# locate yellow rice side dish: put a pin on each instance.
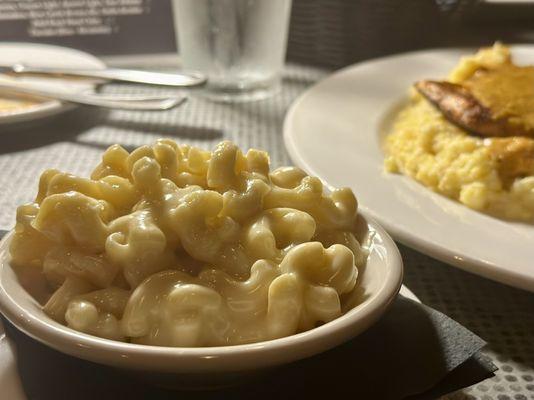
(8, 105)
(424, 145)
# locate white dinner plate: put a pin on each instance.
(335, 131)
(42, 55)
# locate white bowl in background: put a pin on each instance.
(379, 283)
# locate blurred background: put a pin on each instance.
(335, 33)
(327, 33)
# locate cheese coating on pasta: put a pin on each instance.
(172, 245)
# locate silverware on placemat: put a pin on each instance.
(124, 102)
(179, 79)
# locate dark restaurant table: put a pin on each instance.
(501, 315)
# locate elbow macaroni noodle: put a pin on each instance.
(176, 246)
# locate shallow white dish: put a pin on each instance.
(379, 281)
(334, 131)
(44, 55)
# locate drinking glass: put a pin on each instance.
(239, 44)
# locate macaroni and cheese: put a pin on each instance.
(176, 246)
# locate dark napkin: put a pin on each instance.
(413, 352)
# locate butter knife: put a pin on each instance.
(138, 103)
(179, 79)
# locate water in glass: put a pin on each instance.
(239, 44)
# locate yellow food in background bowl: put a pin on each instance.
(9, 105)
(485, 174)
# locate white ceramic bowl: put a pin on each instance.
(379, 283)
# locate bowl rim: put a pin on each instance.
(231, 358)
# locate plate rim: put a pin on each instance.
(425, 246)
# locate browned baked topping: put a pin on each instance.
(459, 106)
(514, 154)
(509, 93)
(514, 157)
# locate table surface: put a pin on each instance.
(501, 315)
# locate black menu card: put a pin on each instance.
(101, 27)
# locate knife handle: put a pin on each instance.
(179, 79)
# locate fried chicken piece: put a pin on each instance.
(459, 106)
(514, 157)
